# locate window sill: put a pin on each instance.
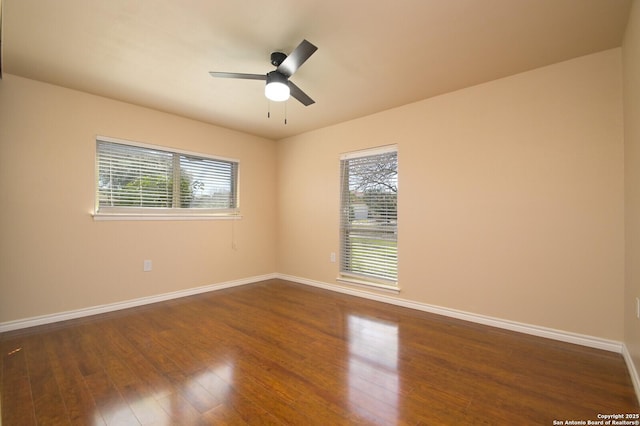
(371, 284)
(142, 217)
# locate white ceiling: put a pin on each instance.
(372, 54)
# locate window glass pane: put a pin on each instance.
(206, 183)
(370, 216)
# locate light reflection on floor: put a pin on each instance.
(373, 368)
(216, 381)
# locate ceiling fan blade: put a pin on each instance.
(297, 93)
(299, 55)
(238, 75)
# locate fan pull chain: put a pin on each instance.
(269, 111)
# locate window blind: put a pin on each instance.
(150, 180)
(369, 215)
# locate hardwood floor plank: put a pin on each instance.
(110, 404)
(223, 415)
(17, 402)
(79, 403)
(47, 399)
(130, 385)
(250, 412)
(278, 353)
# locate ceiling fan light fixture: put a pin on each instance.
(277, 87)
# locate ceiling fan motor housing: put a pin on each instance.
(277, 58)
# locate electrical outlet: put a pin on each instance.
(147, 266)
(638, 307)
(332, 257)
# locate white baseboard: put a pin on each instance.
(549, 333)
(111, 307)
(633, 372)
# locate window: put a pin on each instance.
(369, 217)
(143, 180)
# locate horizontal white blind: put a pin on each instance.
(369, 216)
(142, 178)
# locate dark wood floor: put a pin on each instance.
(282, 353)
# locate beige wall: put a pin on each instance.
(631, 72)
(511, 197)
(54, 257)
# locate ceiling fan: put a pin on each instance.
(278, 87)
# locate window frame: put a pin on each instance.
(345, 275)
(163, 213)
